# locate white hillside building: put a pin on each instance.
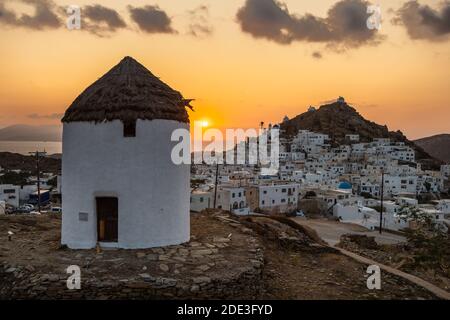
(120, 187)
(443, 206)
(273, 198)
(352, 137)
(10, 194)
(201, 200)
(233, 199)
(445, 170)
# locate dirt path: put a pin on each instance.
(298, 267)
(299, 275)
(442, 294)
(331, 231)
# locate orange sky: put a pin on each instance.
(237, 80)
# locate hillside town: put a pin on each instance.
(224, 159)
(344, 182)
(24, 197)
(163, 229)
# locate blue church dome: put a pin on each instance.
(345, 185)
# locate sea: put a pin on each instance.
(25, 147)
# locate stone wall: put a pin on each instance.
(20, 283)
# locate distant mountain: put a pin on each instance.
(23, 132)
(14, 161)
(338, 119)
(438, 146)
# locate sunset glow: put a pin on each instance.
(237, 80)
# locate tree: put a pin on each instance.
(310, 194)
(366, 195)
(196, 183)
(429, 240)
(53, 182)
(18, 179)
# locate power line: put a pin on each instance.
(215, 185)
(38, 154)
(382, 198)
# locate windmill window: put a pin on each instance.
(129, 129)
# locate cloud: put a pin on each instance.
(44, 16)
(424, 22)
(200, 25)
(317, 55)
(46, 116)
(151, 19)
(345, 24)
(327, 101)
(101, 20)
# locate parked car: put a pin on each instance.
(23, 209)
(9, 209)
(300, 213)
(56, 210)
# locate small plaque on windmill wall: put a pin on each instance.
(83, 216)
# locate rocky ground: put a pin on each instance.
(305, 270)
(399, 256)
(217, 255)
(227, 257)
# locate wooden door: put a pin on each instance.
(107, 219)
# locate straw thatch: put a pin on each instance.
(128, 92)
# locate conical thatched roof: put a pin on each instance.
(128, 92)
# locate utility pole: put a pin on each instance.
(38, 181)
(217, 181)
(382, 198)
(38, 174)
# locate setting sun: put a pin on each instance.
(186, 150)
